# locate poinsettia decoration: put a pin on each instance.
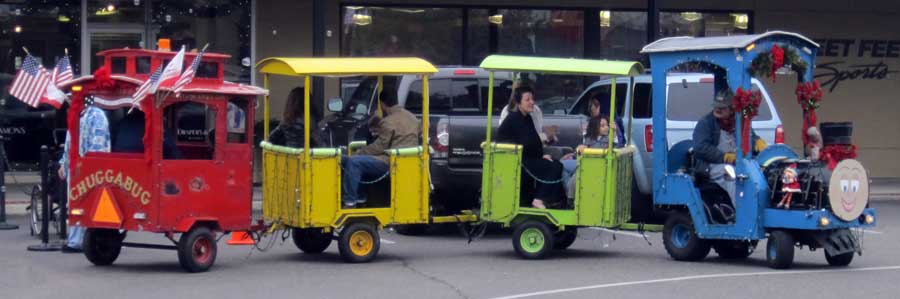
(809, 96)
(746, 102)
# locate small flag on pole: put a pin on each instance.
(149, 87)
(31, 82)
(188, 75)
(172, 70)
(63, 71)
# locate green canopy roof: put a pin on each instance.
(562, 65)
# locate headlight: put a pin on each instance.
(870, 219)
(823, 221)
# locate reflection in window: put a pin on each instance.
(434, 34)
(193, 130)
(622, 34)
(223, 24)
(118, 65)
(237, 120)
(126, 130)
(535, 32)
(115, 11)
(142, 64)
(687, 23)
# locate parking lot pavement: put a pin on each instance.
(600, 264)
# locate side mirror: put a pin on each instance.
(335, 104)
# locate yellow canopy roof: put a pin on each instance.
(301, 66)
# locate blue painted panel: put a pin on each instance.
(774, 152)
(809, 219)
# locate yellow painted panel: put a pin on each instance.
(281, 188)
(326, 190)
(409, 199)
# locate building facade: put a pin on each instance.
(858, 62)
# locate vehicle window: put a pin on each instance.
(643, 104)
(691, 101)
(191, 130)
(439, 96)
(603, 92)
(362, 95)
(237, 120)
(126, 130)
(142, 64)
(118, 65)
(208, 70)
(502, 90)
(465, 95)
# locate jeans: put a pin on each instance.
(76, 236)
(569, 167)
(358, 169)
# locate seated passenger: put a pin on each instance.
(130, 137)
(398, 129)
(519, 128)
(715, 142)
(290, 131)
(598, 137)
(597, 109)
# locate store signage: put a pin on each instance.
(832, 73)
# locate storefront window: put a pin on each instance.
(434, 34)
(115, 11)
(537, 32)
(688, 23)
(223, 24)
(46, 29)
(478, 40)
(621, 34)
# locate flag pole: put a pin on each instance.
(26, 51)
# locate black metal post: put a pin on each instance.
(3, 224)
(318, 43)
(45, 214)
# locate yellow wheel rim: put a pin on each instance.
(361, 243)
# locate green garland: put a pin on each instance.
(762, 64)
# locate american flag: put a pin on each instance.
(188, 75)
(63, 71)
(31, 82)
(148, 87)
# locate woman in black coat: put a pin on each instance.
(518, 128)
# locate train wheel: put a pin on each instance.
(311, 240)
(197, 249)
(563, 239)
(780, 249)
(102, 246)
(840, 260)
(532, 239)
(681, 241)
(734, 249)
(359, 242)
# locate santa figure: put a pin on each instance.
(789, 186)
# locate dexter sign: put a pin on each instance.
(109, 176)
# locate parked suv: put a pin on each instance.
(689, 98)
(458, 107)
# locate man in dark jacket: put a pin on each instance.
(715, 141)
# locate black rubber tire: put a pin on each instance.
(102, 246)
(692, 249)
(734, 249)
(345, 246)
(197, 249)
(311, 240)
(565, 238)
(780, 249)
(545, 233)
(840, 260)
(411, 229)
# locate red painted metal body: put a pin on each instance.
(209, 181)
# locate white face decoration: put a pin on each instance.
(848, 190)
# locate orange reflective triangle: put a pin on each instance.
(106, 211)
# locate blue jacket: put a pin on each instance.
(706, 142)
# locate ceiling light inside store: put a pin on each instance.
(741, 20)
(604, 18)
(496, 19)
(110, 7)
(137, 2)
(18, 29)
(361, 19)
(410, 10)
(691, 16)
(63, 18)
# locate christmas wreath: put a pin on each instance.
(746, 102)
(767, 63)
(809, 96)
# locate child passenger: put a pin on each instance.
(597, 137)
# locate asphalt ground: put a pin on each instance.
(601, 264)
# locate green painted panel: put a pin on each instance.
(500, 183)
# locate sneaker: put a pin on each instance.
(349, 205)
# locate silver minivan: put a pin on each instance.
(689, 98)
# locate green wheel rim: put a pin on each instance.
(532, 240)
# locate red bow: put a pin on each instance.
(809, 95)
(832, 154)
(746, 102)
(777, 59)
